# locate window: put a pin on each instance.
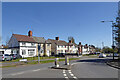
(58, 46)
(61, 51)
(65, 51)
(31, 52)
(17, 51)
(48, 44)
(32, 44)
(23, 52)
(58, 51)
(42, 51)
(23, 43)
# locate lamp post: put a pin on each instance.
(113, 36)
(39, 47)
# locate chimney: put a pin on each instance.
(30, 33)
(70, 41)
(57, 38)
(79, 43)
(86, 44)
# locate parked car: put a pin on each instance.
(5, 57)
(14, 56)
(61, 54)
(115, 54)
(102, 55)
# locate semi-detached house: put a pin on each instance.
(61, 46)
(29, 46)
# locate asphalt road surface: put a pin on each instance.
(83, 68)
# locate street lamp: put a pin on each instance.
(113, 40)
(39, 49)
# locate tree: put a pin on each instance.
(71, 38)
(97, 49)
(7, 40)
(117, 37)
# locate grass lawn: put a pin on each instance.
(36, 62)
(31, 58)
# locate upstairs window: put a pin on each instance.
(32, 44)
(48, 44)
(23, 43)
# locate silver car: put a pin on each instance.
(5, 57)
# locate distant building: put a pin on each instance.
(58, 46)
(61, 46)
(85, 49)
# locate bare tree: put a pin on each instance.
(71, 38)
(7, 40)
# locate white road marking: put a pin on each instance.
(17, 73)
(36, 70)
(66, 77)
(69, 71)
(75, 77)
(72, 74)
(64, 74)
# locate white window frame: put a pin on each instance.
(23, 43)
(23, 52)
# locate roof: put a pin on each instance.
(71, 44)
(58, 42)
(23, 38)
(40, 39)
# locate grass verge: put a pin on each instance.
(35, 62)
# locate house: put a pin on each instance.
(28, 45)
(85, 49)
(72, 47)
(91, 48)
(43, 46)
(61, 46)
(5, 51)
(58, 46)
(80, 48)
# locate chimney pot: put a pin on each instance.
(57, 38)
(30, 33)
(79, 43)
(70, 41)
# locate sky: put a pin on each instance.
(81, 20)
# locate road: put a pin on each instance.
(83, 68)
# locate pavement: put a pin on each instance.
(114, 63)
(80, 69)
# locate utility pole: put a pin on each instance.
(39, 47)
(113, 35)
(102, 46)
(113, 39)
